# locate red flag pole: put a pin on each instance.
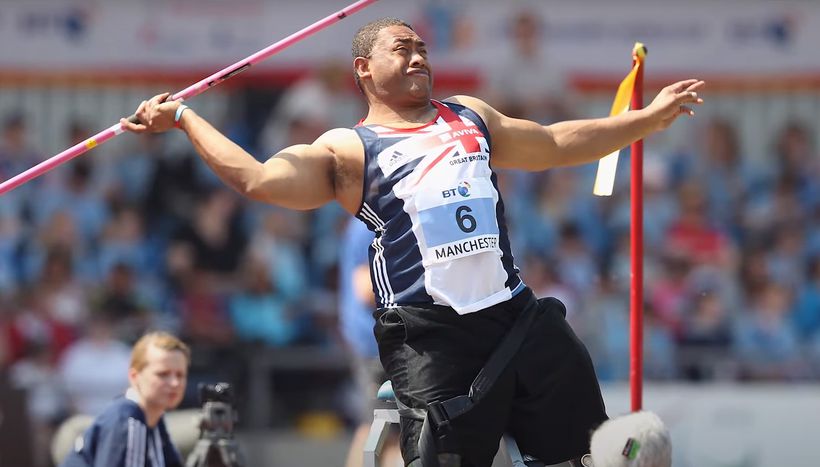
(636, 243)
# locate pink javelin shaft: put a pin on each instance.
(190, 91)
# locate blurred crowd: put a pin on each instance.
(102, 249)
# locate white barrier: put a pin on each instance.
(733, 425)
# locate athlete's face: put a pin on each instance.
(161, 383)
(398, 65)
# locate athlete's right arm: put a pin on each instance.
(298, 177)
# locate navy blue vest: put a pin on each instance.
(432, 199)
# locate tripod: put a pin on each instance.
(215, 453)
(216, 446)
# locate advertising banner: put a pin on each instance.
(729, 37)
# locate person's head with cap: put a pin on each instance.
(638, 439)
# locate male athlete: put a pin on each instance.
(419, 173)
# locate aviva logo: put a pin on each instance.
(458, 134)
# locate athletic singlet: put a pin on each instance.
(432, 200)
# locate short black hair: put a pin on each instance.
(365, 38)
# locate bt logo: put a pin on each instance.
(462, 189)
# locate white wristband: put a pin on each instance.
(178, 115)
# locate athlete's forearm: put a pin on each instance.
(583, 141)
(229, 161)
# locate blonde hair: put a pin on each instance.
(161, 340)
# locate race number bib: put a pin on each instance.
(458, 221)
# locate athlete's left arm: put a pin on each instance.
(526, 145)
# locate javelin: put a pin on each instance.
(191, 91)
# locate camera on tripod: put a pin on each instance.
(218, 392)
(218, 416)
(216, 446)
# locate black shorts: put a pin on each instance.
(548, 397)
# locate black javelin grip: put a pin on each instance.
(135, 120)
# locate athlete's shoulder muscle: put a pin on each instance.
(348, 154)
(340, 141)
(487, 113)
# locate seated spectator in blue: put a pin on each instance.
(131, 432)
(807, 307)
(706, 335)
(78, 197)
(259, 313)
(765, 341)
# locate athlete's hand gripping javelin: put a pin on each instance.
(157, 115)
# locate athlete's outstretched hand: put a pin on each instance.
(674, 100)
(155, 115)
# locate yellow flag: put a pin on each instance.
(605, 178)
